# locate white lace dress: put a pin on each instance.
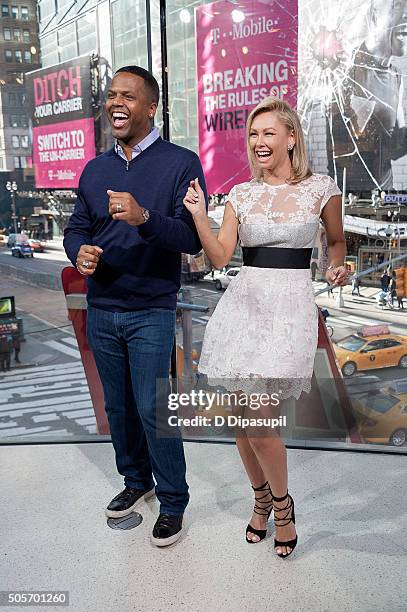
(263, 333)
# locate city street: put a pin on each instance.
(47, 394)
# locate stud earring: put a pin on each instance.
(290, 147)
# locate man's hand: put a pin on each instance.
(123, 207)
(88, 259)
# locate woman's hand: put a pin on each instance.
(195, 199)
(338, 276)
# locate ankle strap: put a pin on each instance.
(281, 498)
(262, 488)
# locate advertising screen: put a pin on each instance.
(243, 56)
(63, 125)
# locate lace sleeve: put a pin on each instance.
(332, 189)
(232, 198)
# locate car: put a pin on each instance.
(224, 279)
(14, 238)
(22, 249)
(37, 246)
(214, 275)
(371, 347)
(381, 416)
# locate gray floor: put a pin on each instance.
(351, 521)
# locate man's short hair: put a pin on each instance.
(149, 81)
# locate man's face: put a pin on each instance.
(129, 107)
(399, 28)
(391, 21)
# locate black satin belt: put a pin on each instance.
(276, 257)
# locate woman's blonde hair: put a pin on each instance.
(300, 168)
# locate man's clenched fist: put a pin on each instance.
(123, 207)
(88, 259)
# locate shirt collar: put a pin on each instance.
(140, 146)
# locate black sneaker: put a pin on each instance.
(125, 502)
(167, 530)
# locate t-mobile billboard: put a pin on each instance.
(63, 126)
(245, 52)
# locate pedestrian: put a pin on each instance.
(257, 337)
(392, 289)
(314, 268)
(6, 348)
(384, 281)
(330, 291)
(126, 234)
(355, 285)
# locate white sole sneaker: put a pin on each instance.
(167, 541)
(121, 513)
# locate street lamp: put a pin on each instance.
(12, 188)
(389, 234)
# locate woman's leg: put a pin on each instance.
(271, 454)
(255, 474)
(257, 479)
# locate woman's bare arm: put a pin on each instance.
(332, 219)
(220, 248)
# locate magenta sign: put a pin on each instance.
(63, 125)
(61, 151)
(245, 53)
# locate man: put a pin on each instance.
(126, 235)
(367, 128)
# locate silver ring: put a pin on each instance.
(86, 263)
(119, 207)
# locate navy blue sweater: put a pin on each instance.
(140, 266)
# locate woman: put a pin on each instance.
(265, 327)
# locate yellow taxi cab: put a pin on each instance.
(382, 416)
(369, 348)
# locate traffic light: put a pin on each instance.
(401, 281)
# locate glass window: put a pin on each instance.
(47, 8)
(129, 33)
(24, 13)
(4, 10)
(374, 346)
(391, 343)
(19, 56)
(12, 98)
(351, 343)
(15, 142)
(67, 46)
(49, 50)
(24, 121)
(23, 162)
(26, 36)
(7, 33)
(27, 57)
(24, 142)
(381, 403)
(86, 33)
(14, 12)
(14, 121)
(16, 162)
(8, 55)
(16, 34)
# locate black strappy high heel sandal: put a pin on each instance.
(263, 510)
(277, 521)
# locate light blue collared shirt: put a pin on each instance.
(141, 146)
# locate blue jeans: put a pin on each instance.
(132, 351)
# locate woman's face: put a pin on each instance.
(269, 140)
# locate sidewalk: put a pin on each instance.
(47, 305)
(365, 304)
